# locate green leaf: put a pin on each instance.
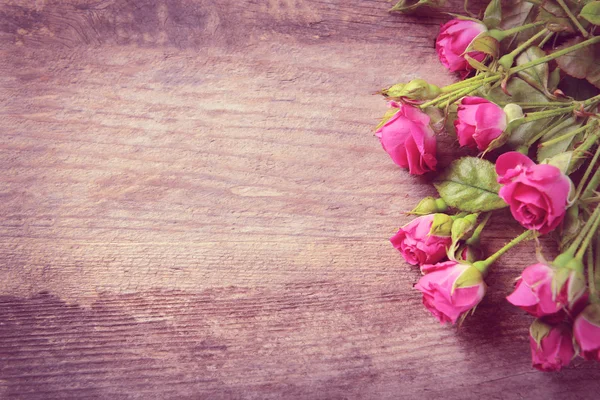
(527, 131)
(581, 63)
(493, 14)
(591, 12)
(569, 125)
(554, 79)
(417, 6)
(486, 44)
(557, 19)
(515, 13)
(521, 92)
(470, 184)
(536, 76)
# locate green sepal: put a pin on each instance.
(463, 226)
(469, 278)
(486, 44)
(387, 116)
(441, 225)
(417, 89)
(539, 330)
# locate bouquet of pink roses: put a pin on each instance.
(528, 100)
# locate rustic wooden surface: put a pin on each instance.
(193, 206)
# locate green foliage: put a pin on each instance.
(591, 12)
(470, 184)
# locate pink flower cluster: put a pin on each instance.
(538, 195)
(570, 323)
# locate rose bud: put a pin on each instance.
(586, 330)
(429, 205)
(551, 346)
(409, 140)
(424, 239)
(450, 289)
(544, 291)
(452, 42)
(479, 122)
(537, 194)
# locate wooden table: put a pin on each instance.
(193, 205)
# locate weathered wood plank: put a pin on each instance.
(193, 206)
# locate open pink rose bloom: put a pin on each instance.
(454, 38)
(536, 193)
(409, 140)
(418, 245)
(533, 292)
(443, 296)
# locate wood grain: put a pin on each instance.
(193, 206)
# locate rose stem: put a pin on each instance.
(590, 235)
(507, 60)
(545, 40)
(563, 137)
(590, 270)
(501, 35)
(592, 185)
(577, 241)
(483, 266)
(540, 134)
(554, 55)
(587, 173)
(474, 239)
(594, 275)
(573, 18)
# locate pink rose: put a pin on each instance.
(551, 346)
(479, 122)
(586, 330)
(418, 244)
(409, 140)
(454, 38)
(534, 291)
(450, 289)
(537, 194)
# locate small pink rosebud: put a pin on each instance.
(545, 291)
(454, 38)
(551, 346)
(479, 122)
(586, 330)
(450, 289)
(409, 140)
(537, 194)
(424, 239)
